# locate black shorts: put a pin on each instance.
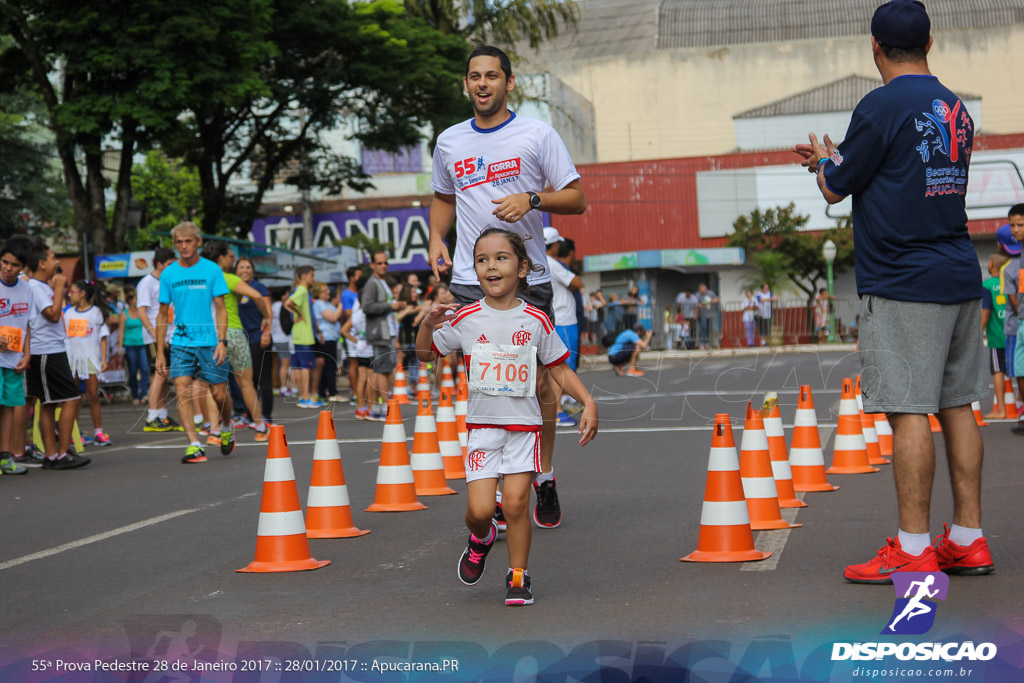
(540, 296)
(997, 361)
(49, 378)
(363, 362)
(623, 356)
(151, 355)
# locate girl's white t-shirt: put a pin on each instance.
(84, 330)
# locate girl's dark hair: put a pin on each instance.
(518, 243)
(94, 295)
(214, 250)
(438, 288)
(129, 292)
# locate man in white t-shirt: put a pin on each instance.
(491, 169)
(764, 299)
(147, 295)
(563, 283)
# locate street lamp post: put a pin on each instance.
(828, 250)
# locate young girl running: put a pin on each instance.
(86, 326)
(503, 339)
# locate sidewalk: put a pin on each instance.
(740, 351)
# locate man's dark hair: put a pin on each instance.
(1016, 210)
(353, 272)
(491, 51)
(373, 255)
(36, 253)
(17, 246)
(565, 247)
(162, 255)
(302, 270)
(902, 55)
(214, 250)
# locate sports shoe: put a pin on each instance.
(337, 399)
(499, 517)
(308, 403)
(572, 407)
(227, 441)
(8, 466)
(171, 425)
(102, 439)
(240, 421)
(518, 593)
(203, 429)
(30, 459)
(194, 454)
(263, 435)
(375, 417)
(633, 372)
(564, 420)
(362, 413)
(68, 462)
(88, 440)
(1018, 428)
(971, 560)
(891, 558)
(471, 564)
(547, 513)
(155, 425)
(211, 439)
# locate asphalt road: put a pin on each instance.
(136, 550)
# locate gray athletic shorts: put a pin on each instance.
(921, 358)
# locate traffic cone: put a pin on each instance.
(758, 480)
(281, 542)
(933, 422)
(780, 463)
(871, 444)
(1011, 401)
(460, 374)
(401, 391)
(396, 488)
(884, 430)
(806, 460)
(427, 465)
(448, 438)
(461, 410)
(422, 383)
(849, 452)
(328, 511)
(976, 407)
(446, 377)
(725, 534)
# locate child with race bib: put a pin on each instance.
(85, 321)
(503, 339)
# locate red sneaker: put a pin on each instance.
(971, 560)
(891, 559)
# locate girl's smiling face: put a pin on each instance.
(497, 267)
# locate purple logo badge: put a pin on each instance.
(914, 612)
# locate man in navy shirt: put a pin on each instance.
(905, 161)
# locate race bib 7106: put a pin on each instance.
(503, 370)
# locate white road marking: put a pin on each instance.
(113, 532)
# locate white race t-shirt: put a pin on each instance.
(85, 329)
(47, 337)
(562, 301)
(478, 165)
(147, 294)
(358, 330)
(16, 310)
(523, 325)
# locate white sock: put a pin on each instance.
(962, 535)
(199, 422)
(261, 426)
(98, 431)
(545, 476)
(196, 444)
(161, 413)
(914, 544)
(497, 496)
(490, 536)
(152, 415)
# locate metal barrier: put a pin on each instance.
(792, 322)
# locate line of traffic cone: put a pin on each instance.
(849, 451)
(884, 431)
(427, 464)
(461, 410)
(781, 471)
(725, 534)
(448, 437)
(422, 383)
(328, 510)
(1011, 401)
(871, 444)
(934, 424)
(979, 419)
(447, 382)
(396, 486)
(401, 390)
(281, 541)
(806, 459)
(758, 481)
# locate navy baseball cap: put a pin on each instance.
(1004, 236)
(901, 24)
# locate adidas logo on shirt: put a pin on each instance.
(482, 339)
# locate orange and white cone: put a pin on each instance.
(328, 510)
(461, 410)
(849, 452)
(281, 542)
(448, 438)
(874, 449)
(460, 374)
(884, 430)
(427, 465)
(978, 418)
(1011, 401)
(780, 463)
(447, 382)
(806, 460)
(934, 423)
(422, 383)
(758, 480)
(396, 486)
(401, 391)
(725, 534)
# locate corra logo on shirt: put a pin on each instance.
(471, 172)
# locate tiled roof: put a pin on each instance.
(841, 95)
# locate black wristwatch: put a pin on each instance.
(222, 341)
(534, 200)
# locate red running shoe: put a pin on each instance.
(971, 560)
(891, 559)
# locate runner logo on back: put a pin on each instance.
(472, 172)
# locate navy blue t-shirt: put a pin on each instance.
(905, 160)
(249, 312)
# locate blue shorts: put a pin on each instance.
(197, 361)
(1011, 354)
(303, 357)
(1018, 352)
(570, 336)
(12, 388)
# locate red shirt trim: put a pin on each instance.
(473, 308)
(540, 315)
(559, 361)
(507, 428)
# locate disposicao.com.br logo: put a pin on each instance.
(914, 614)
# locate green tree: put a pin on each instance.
(779, 231)
(167, 194)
